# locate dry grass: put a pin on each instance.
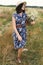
(34, 40)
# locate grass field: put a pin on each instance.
(34, 39)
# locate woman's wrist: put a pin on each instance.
(18, 35)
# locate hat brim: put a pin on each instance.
(21, 3)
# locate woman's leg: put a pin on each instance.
(19, 54)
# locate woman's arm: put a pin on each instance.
(15, 29)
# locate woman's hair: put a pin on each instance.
(19, 9)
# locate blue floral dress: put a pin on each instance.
(22, 31)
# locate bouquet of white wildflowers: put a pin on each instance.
(32, 17)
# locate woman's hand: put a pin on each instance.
(33, 22)
(19, 38)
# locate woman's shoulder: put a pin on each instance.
(24, 14)
(14, 15)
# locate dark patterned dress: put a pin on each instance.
(22, 30)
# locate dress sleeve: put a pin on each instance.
(14, 15)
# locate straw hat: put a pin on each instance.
(20, 2)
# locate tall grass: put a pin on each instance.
(34, 39)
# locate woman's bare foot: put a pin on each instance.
(19, 60)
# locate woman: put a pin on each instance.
(19, 26)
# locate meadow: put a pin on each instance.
(34, 56)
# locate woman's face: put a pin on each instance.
(23, 7)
